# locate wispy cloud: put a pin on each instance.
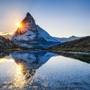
(5, 33)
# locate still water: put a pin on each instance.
(43, 70)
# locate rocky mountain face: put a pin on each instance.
(6, 43)
(31, 35)
(82, 44)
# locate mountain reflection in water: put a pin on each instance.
(39, 70)
(27, 63)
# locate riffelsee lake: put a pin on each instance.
(43, 70)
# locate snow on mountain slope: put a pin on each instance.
(32, 36)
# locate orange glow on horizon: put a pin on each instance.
(5, 33)
(6, 60)
(11, 33)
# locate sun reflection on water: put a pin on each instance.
(19, 68)
(6, 60)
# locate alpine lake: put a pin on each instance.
(44, 70)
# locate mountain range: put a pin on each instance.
(62, 40)
(30, 35)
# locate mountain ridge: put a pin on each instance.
(31, 35)
(64, 39)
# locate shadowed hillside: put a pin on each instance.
(6, 43)
(82, 44)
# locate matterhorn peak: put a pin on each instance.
(28, 19)
(28, 14)
(31, 35)
(27, 23)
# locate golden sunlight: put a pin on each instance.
(11, 20)
(11, 33)
(19, 68)
(19, 25)
(6, 60)
(5, 33)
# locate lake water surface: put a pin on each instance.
(43, 70)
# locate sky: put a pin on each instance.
(60, 18)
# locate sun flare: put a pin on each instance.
(19, 25)
(19, 68)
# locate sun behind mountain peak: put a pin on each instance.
(19, 25)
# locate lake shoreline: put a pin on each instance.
(73, 52)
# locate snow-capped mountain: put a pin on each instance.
(6, 43)
(31, 35)
(62, 40)
(30, 60)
